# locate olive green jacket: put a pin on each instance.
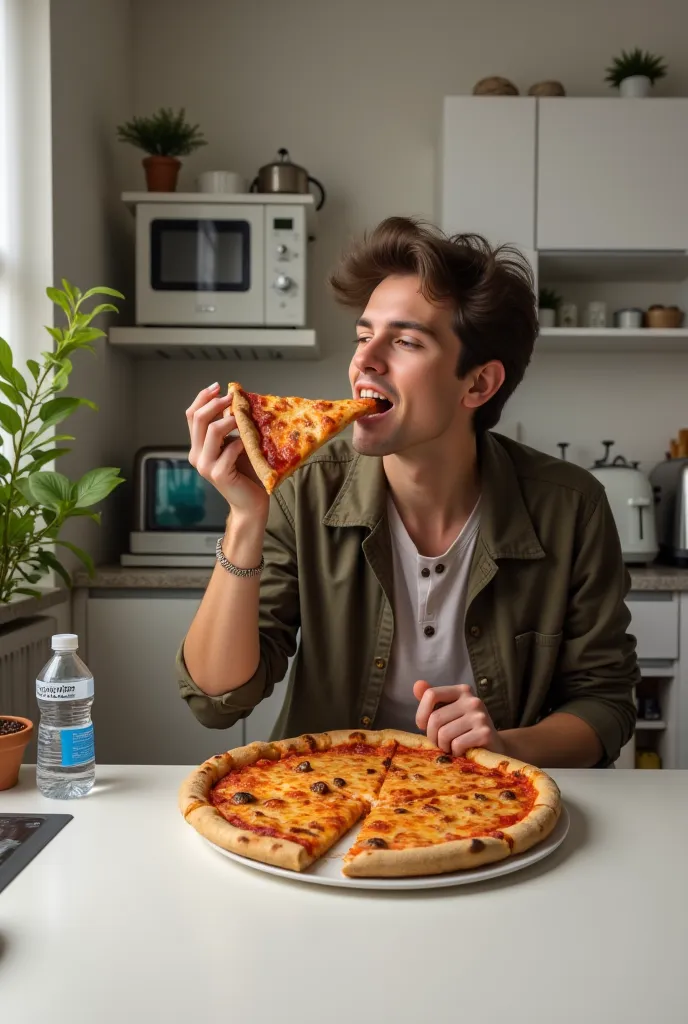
(546, 616)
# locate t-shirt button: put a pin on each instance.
(483, 685)
(425, 573)
(366, 721)
(429, 630)
(379, 663)
(475, 631)
(439, 568)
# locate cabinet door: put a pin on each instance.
(138, 715)
(488, 167)
(612, 174)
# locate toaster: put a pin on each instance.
(632, 503)
(669, 480)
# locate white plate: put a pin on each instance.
(328, 870)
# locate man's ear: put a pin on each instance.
(485, 382)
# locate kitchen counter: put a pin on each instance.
(654, 577)
(128, 916)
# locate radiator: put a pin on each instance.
(24, 650)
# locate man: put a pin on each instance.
(444, 578)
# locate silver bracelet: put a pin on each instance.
(235, 571)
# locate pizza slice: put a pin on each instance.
(355, 764)
(280, 434)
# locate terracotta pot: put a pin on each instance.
(664, 316)
(161, 173)
(12, 749)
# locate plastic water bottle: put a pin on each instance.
(64, 689)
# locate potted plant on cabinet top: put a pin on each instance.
(548, 304)
(634, 73)
(164, 136)
(35, 503)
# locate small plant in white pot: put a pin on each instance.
(548, 304)
(634, 73)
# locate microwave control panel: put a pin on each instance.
(285, 266)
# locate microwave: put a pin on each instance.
(178, 515)
(221, 264)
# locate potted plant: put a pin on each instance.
(164, 136)
(548, 304)
(35, 503)
(634, 73)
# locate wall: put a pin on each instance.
(354, 89)
(91, 52)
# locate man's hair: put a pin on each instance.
(491, 290)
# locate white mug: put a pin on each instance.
(221, 181)
(597, 314)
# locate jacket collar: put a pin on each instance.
(506, 528)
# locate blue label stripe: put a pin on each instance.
(77, 746)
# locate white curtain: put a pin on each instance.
(26, 248)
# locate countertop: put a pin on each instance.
(654, 577)
(128, 916)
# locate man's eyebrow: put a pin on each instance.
(403, 325)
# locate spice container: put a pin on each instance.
(629, 318)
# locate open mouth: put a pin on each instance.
(382, 404)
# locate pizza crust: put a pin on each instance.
(269, 849)
(249, 434)
(458, 855)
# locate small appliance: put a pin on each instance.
(632, 502)
(178, 514)
(284, 176)
(222, 261)
(670, 482)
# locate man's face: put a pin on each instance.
(407, 352)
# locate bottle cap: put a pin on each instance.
(65, 642)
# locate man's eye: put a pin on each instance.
(361, 338)
(408, 343)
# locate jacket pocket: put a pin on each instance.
(536, 659)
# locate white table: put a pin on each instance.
(127, 917)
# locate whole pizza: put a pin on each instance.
(419, 811)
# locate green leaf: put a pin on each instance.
(86, 334)
(57, 333)
(105, 307)
(83, 556)
(18, 527)
(95, 516)
(34, 368)
(9, 419)
(5, 357)
(19, 382)
(61, 378)
(101, 290)
(23, 485)
(51, 489)
(60, 299)
(27, 591)
(96, 485)
(69, 290)
(9, 391)
(48, 558)
(61, 437)
(60, 408)
(44, 457)
(5, 468)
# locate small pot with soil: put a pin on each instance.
(15, 734)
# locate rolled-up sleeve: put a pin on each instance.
(278, 625)
(597, 667)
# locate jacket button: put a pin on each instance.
(429, 630)
(366, 721)
(475, 631)
(379, 663)
(425, 573)
(439, 568)
(483, 685)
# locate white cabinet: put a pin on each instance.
(488, 167)
(139, 717)
(611, 174)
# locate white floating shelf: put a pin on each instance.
(612, 265)
(612, 339)
(221, 343)
(650, 726)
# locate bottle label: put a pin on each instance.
(70, 689)
(77, 746)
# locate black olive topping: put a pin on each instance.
(443, 759)
(320, 787)
(243, 798)
(305, 766)
(508, 794)
(378, 843)
(387, 762)
(431, 807)
(339, 782)
(371, 771)
(479, 796)
(400, 810)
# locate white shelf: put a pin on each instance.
(650, 726)
(600, 265)
(612, 339)
(221, 343)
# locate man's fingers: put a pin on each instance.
(200, 400)
(480, 737)
(435, 695)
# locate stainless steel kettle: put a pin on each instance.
(284, 176)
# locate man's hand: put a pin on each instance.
(461, 721)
